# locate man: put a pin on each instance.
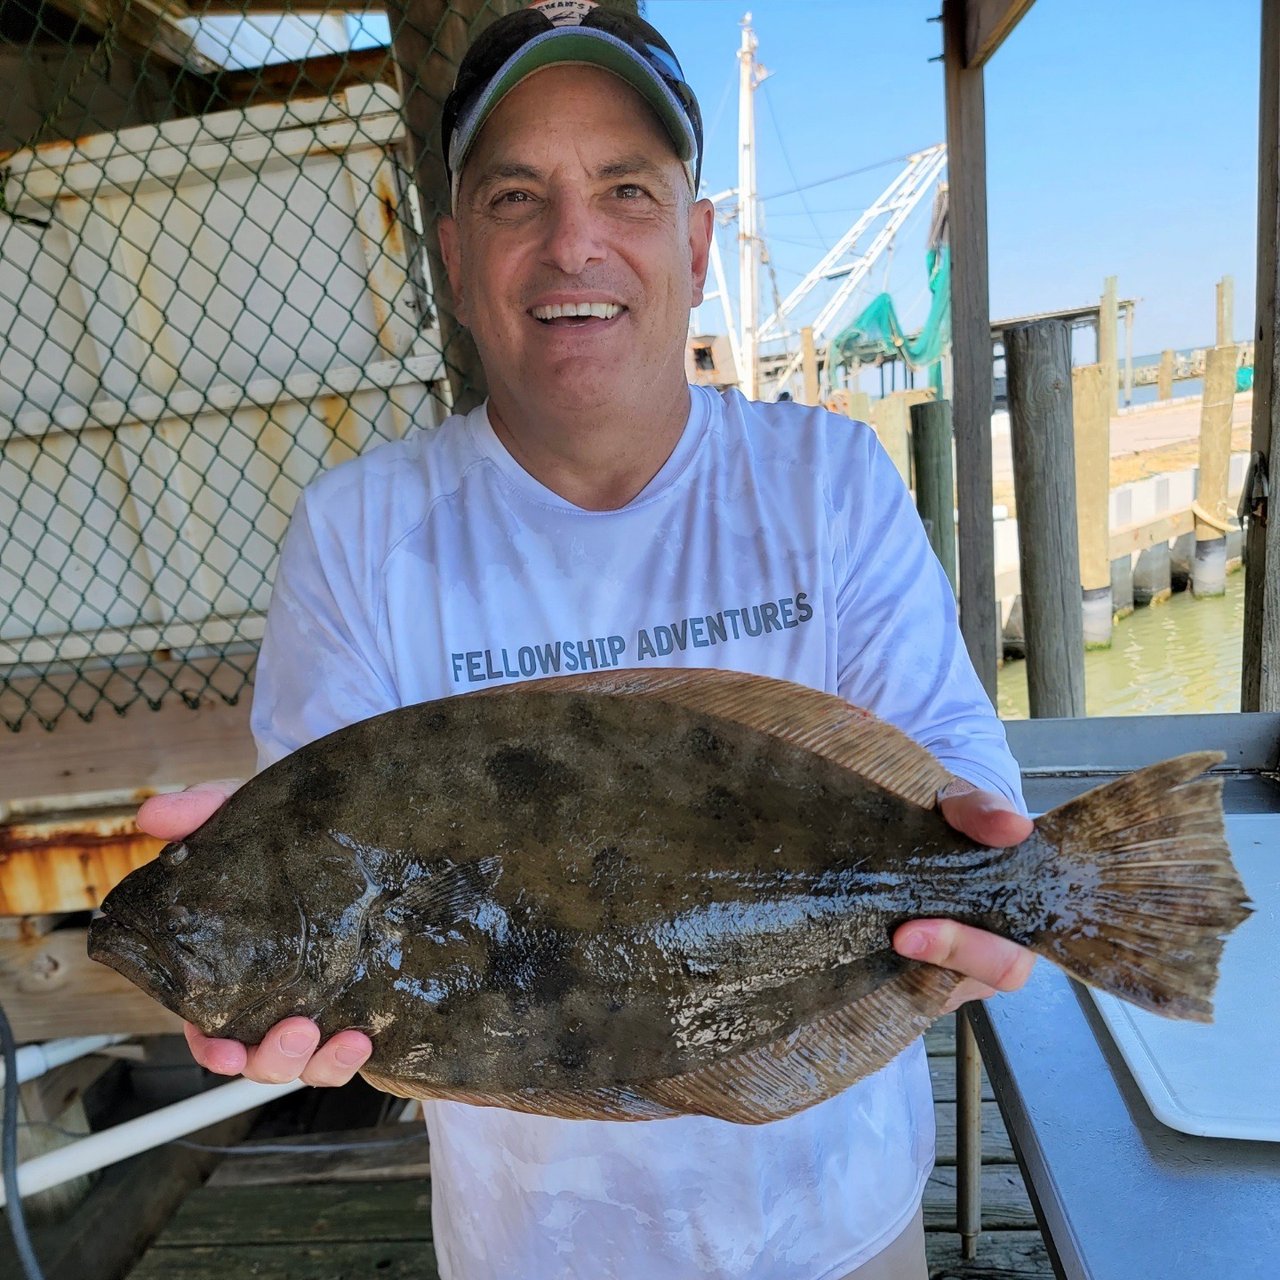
(597, 511)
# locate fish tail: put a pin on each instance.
(1148, 887)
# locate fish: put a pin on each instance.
(636, 894)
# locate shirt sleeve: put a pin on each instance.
(901, 652)
(320, 667)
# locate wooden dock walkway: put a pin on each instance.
(366, 1214)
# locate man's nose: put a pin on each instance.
(573, 235)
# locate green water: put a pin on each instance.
(1167, 659)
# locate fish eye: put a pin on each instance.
(174, 855)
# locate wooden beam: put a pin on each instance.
(322, 76)
(149, 26)
(137, 753)
(970, 344)
(429, 38)
(1260, 679)
(987, 24)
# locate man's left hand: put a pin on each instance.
(989, 963)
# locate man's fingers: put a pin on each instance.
(222, 1057)
(179, 813)
(284, 1052)
(986, 817)
(289, 1051)
(988, 959)
(338, 1059)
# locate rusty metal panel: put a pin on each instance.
(68, 862)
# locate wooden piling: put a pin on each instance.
(1108, 347)
(428, 40)
(1226, 292)
(1038, 368)
(809, 363)
(1260, 666)
(935, 479)
(1164, 380)
(1092, 435)
(1209, 570)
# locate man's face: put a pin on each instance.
(573, 200)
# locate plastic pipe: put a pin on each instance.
(123, 1140)
(35, 1059)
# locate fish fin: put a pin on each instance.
(618, 1103)
(1146, 923)
(816, 1061)
(818, 722)
(443, 891)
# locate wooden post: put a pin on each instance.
(890, 415)
(970, 349)
(1164, 380)
(428, 39)
(1107, 345)
(859, 406)
(1209, 570)
(1128, 354)
(1260, 679)
(1226, 292)
(971, 414)
(935, 479)
(1038, 363)
(809, 356)
(1092, 430)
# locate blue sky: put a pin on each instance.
(1121, 135)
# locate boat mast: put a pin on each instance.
(748, 236)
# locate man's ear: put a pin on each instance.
(447, 228)
(702, 222)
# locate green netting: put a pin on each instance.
(877, 333)
(218, 276)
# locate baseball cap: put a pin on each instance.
(553, 32)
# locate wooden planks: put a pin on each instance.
(369, 1155)
(387, 1260)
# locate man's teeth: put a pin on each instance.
(574, 310)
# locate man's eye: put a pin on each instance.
(511, 197)
(630, 191)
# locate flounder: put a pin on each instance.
(640, 894)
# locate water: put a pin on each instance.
(1167, 659)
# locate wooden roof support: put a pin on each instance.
(987, 23)
(148, 26)
(970, 342)
(1260, 683)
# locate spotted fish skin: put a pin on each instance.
(553, 889)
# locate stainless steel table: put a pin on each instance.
(1119, 1195)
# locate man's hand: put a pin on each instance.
(291, 1049)
(989, 963)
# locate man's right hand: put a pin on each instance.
(291, 1049)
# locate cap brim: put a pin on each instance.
(576, 45)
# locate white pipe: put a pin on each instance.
(123, 1140)
(35, 1059)
(748, 248)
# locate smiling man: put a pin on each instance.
(599, 512)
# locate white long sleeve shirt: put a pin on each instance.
(776, 539)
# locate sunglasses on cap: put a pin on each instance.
(520, 43)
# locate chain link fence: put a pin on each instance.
(218, 276)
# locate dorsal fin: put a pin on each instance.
(818, 722)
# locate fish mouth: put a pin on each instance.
(135, 954)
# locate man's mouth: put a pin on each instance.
(575, 314)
